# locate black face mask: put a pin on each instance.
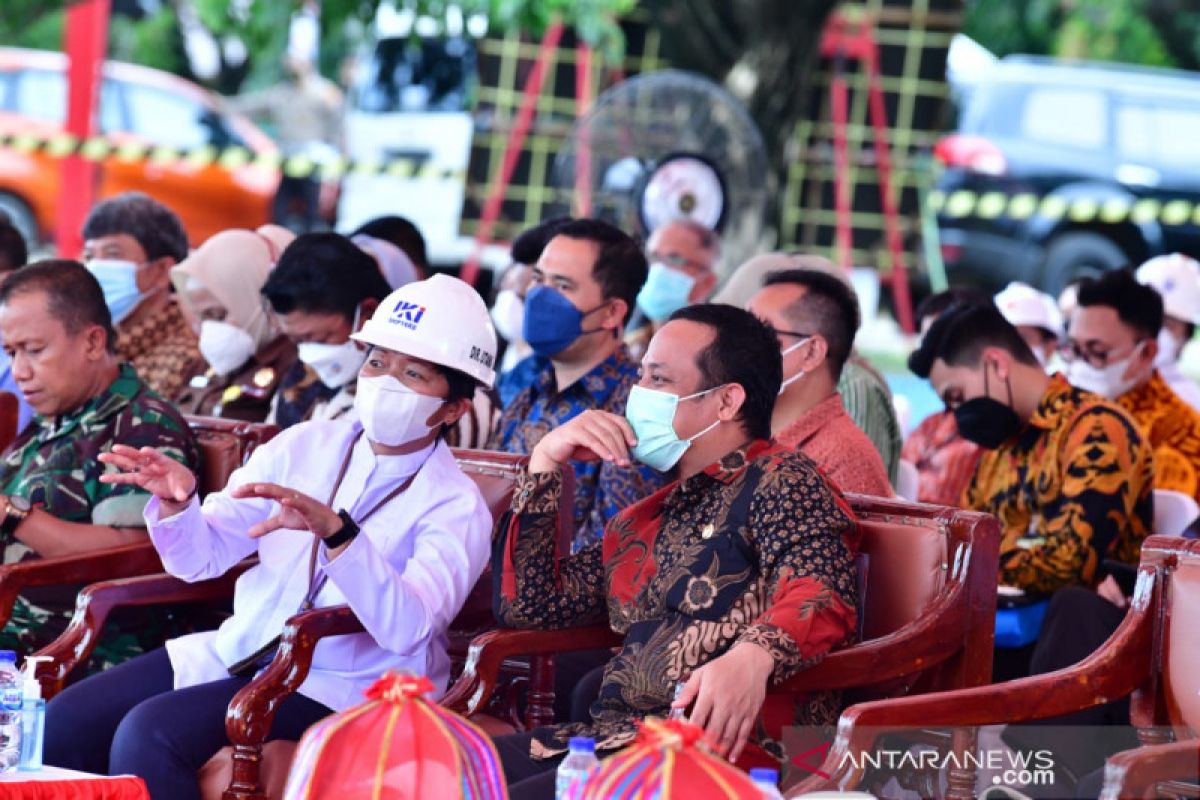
(985, 421)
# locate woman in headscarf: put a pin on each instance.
(245, 353)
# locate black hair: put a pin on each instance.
(323, 273)
(462, 385)
(744, 351)
(1139, 306)
(960, 335)
(400, 232)
(156, 227)
(828, 307)
(13, 250)
(528, 246)
(620, 266)
(73, 295)
(935, 304)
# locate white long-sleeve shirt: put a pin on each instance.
(405, 575)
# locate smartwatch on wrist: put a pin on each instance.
(343, 534)
(15, 512)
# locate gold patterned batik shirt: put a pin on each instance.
(1172, 427)
(759, 547)
(161, 347)
(1072, 489)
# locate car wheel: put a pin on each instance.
(21, 216)
(1077, 255)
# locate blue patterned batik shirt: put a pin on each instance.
(601, 490)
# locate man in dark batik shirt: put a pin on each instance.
(738, 574)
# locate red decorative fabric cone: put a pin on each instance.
(396, 746)
(667, 761)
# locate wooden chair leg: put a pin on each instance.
(246, 783)
(961, 779)
(540, 709)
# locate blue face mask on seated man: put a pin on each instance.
(118, 281)
(552, 322)
(666, 291)
(651, 414)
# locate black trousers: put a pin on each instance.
(128, 720)
(527, 779)
(1078, 622)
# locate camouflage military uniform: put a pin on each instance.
(53, 465)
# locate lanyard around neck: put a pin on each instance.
(315, 584)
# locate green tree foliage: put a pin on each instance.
(1163, 33)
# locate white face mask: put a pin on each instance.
(799, 373)
(335, 364)
(1105, 381)
(224, 346)
(1169, 349)
(508, 313)
(392, 414)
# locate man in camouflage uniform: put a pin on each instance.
(58, 330)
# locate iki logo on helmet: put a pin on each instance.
(407, 314)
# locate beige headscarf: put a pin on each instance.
(747, 279)
(233, 265)
(278, 236)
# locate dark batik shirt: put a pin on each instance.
(601, 489)
(760, 547)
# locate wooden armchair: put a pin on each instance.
(1153, 655)
(926, 622)
(10, 413)
(224, 446)
(252, 710)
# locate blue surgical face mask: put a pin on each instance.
(651, 413)
(118, 281)
(552, 322)
(665, 291)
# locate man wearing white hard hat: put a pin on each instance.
(373, 513)
(1036, 317)
(1177, 278)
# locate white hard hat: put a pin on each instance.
(1021, 304)
(1177, 278)
(440, 319)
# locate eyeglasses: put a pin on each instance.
(1098, 358)
(794, 334)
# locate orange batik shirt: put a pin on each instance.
(1073, 488)
(1173, 428)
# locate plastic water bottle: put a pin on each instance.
(576, 767)
(767, 781)
(11, 700)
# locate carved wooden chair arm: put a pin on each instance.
(96, 602)
(118, 562)
(1114, 670)
(1138, 773)
(253, 707)
(250, 713)
(488, 652)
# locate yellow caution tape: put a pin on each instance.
(99, 148)
(963, 203)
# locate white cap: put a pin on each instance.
(441, 320)
(1021, 304)
(1177, 278)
